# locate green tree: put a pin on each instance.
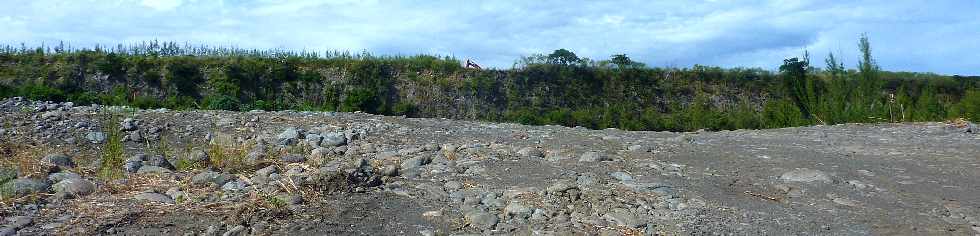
(799, 88)
(623, 61)
(563, 57)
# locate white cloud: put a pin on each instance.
(906, 36)
(162, 5)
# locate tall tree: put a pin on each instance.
(800, 89)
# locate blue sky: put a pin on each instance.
(925, 36)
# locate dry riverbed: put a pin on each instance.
(326, 173)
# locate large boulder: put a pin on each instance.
(333, 140)
(74, 187)
(128, 124)
(289, 137)
(24, 186)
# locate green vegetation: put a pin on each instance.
(555, 88)
(111, 157)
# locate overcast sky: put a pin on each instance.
(926, 36)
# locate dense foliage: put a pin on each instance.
(558, 88)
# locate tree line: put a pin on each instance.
(556, 88)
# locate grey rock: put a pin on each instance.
(158, 160)
(389, 170)
(255, 156)
(268, 170)
(586, 180)
(8, 231)
(19, 222)
(153, 170)
(237, 230)
(654, 187)
(58, 177)
(531, 152)
(313, 140)
(53, 115)
(211, 177)
(480, 219)
(413, 163)
(593, 157)
(135, 136)
(623, 217)
(290, 199)
(293, 158)
(199, 156)
(23, 186)
(59, 159)
(539, 214)
(288, 137)
(128, 124)
(517, 210)
(453, 185)
(333, 140)
(74, 187)
(622, 176)
(234, 186)
(805, 175)
(132, 166)
(494, 203)
(212, 230)
(559, 187)
(154, 197)
(177, 195)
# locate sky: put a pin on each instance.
(923, 36)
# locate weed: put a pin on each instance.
(111, 158)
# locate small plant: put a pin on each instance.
(274, 202)
(112, 151)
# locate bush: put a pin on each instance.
(360, 100)
(404, 108)
(969, 106)
(222, 102)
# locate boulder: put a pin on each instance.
(24, 186)
(74, 187)
(480, 219)
(154, 197)
(95, 137)
(288, 137)
(128, 124)
(333, 140)
(211, 177)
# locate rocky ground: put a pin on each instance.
(83, 170)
